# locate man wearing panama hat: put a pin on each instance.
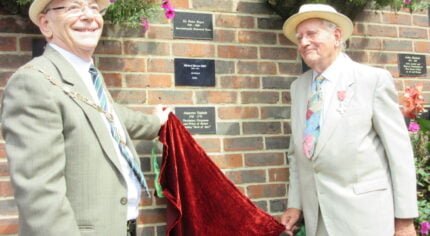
(351, 162)
(69, 146)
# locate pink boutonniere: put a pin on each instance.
(341, 94)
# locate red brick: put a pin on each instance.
(290, 68)
(245, 52)
(420, 20)
(259, 127)
(159, 32)
(148, 81)
(4, 169)
(397, 18)
(12, 61)
(122, 64)
(243, 144)
(246, 176)
(359, 56)
(286, 99)
(254, 7)
(278, 53)
(228, 161)
(4, 77)
(256, 68)
(413, 33)
(368, 43)
(8, 226)
(234, 21)
(264, 159)
(170, 97)
(6, 189)
(260, 97)
(266, 190)
(422, 47)
(109, 47)
(239, 82)
(128, 96)
(113, 80)
(152, 216)
(146, 48)
(225, 36)
(227, 113)
(216, 97)
(193, 50)
(397, 45)
(257, 37)
(160, 65)
(279, 174)
(382, 58)
(369, 16)
(7, 43)
(209, 144)
(214, 6)
(381, 30)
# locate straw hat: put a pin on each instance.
(322, 11)
(39, 5)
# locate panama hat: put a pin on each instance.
(321, 11)
(37, 6)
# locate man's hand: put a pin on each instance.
(290, 218)
(404, 227)
(162, 113)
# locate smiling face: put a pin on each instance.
(75, 26)
(319, 43)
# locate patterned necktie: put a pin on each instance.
(313, 115)
(125, 151)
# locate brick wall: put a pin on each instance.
(255, 66)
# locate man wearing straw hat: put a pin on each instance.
(69, 146)
(351, 162)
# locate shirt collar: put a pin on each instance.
(333, 71)
(78, 64)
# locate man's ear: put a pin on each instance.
(44, 26)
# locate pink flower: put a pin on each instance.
(413, 127)
(341, 94)
(407, 2)
(169, 12)
(413, 101)
(144, 23)
(112, 1)
(425, 228)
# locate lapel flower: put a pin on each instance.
(341, 95)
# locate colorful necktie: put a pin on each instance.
(313, 116)
(125, 151)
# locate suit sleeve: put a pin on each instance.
(293, 186)
(32, 129)
(390, 126)
(139, 125)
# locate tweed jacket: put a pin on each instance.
(64, 169)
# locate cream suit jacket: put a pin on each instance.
(362, 175)
(62, 162)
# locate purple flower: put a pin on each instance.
(407, 1)
(112, 1)
(425, 228)
(166, 4)
(413, 127)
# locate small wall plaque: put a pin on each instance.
(198, 120)
(38, 47)
(192, 26)
(412, 65)
(194, 72)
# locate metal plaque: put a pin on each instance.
(412, 65)
(194, 72)
(198, 120)
(192, 25)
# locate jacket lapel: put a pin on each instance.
(71, 79)
(337, 107)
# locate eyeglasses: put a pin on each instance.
(78, 9)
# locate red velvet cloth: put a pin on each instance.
(201, 200)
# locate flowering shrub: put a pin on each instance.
(419, 130)
(133, 13)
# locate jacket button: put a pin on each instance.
(123, 200)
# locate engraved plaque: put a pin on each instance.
(193, 26)
(198, 120)
(194, 72)
(412, 65)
